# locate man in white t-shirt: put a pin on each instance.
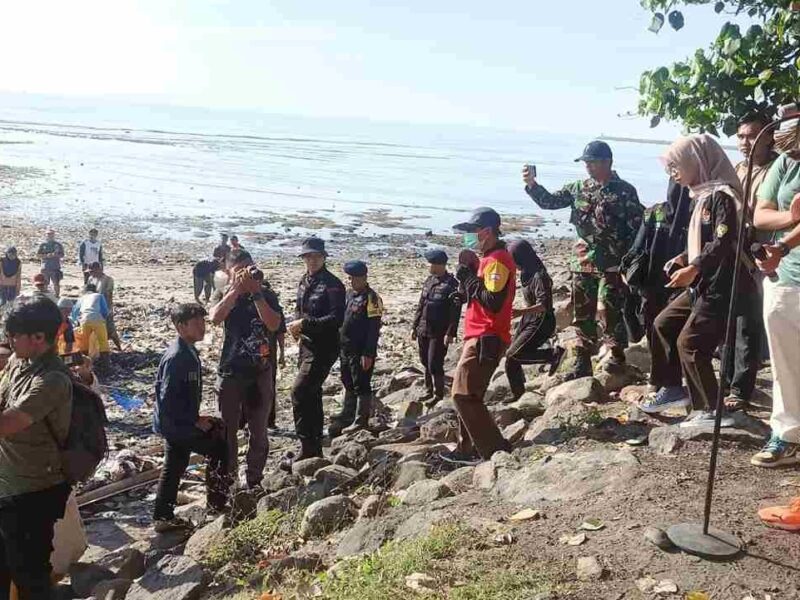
(90, 252)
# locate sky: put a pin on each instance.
(532, 65)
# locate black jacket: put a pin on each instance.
(320, 303)
(362, 323)
(179, 391)
(439, 308)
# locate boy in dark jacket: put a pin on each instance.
(179, 391)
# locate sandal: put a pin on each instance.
(734, 403)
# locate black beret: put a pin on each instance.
(436, 257)
(356, 268)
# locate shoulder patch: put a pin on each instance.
(495, 276)
(374, 306)
(722, 229)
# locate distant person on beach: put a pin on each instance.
(235, 245)
(538, 319)
(65, 339)
(105, 286)
(277, 356)
(90, 252)
(177, 418)
(39, 282)
(221, 252)
(607, 214)
(435, 324)
(358, 337)
(249, 311)
(10, 276)
(51, 254)
(90, 313)
(319, 313)
(203, 276)
(489, 284)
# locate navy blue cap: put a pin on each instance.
(355, 268)
(313, 245)
(481, 217)
(596, 150)
(436, 257)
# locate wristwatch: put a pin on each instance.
(784, 248)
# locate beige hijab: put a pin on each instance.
(705, 169)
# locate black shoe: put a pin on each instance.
(555, 362)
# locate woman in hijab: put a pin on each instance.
(661, 237)
(690, 328)
(10, 276)
(538, 321)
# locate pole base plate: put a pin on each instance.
(715, 544)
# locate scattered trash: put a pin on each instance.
(528, 514)
(592, 525)
(573, 540)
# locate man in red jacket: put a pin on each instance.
(489, 284)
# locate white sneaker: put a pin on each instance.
(705, 418)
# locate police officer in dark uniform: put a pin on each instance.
(359, 339)
(436, 323)
(319, 313)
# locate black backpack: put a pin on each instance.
(86, 445)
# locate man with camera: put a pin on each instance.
(250, 312)
(319, 313)
(607, 214)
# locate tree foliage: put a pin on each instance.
(741, 72)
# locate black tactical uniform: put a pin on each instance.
(320, 303)
(359, 338)
(437, 317)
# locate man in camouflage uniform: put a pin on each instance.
(606, 213)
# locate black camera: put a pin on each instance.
(255, 273)
(73, 360)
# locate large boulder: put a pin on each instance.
(400, 393)
(398, 435)
(441, 428)
(365, 537)
(459, 480)
(309, 466)
(85, 576)
(289, 498)
(746, 429)
(505, 415)
(615, 377)
(333, 476)
(516, 431)
(327, 515)
(425, 492)
(205, 538)
(584, 389)
(172, 578)
(499, 391)
(566, 477)
(564, 313)
(563, 412)
(111, 589)
(410, 472)
(351, 455)
(638, 355)
(530, 405)
(278, 480)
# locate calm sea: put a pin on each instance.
(186, 171)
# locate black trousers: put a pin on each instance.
(273, 410)
(525, 350)
(26, 529)
(211, 444)
(203, 284)
(355, 379)
(432, 351)
(314, 366)
(634, 327)
(743, 364)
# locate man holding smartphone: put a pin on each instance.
(606, 213)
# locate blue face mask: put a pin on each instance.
(471, 240)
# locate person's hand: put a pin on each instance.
(367, 362)
(294, 328)
(683, 277)
(204, 423)
(413, 335)
(794, 208)
(774, 256)
(527, 177)
(449, 339)
(250, 285)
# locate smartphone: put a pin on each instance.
(73, 360)
(531, 170)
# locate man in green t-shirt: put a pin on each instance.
(35, 409)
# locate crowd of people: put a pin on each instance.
(665, 274)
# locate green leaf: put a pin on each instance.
(751, 81)
(657, 23)
(731, 46)
(655, 121)
(719, 7)
(676, 20)
(765, 75)
(797, 62)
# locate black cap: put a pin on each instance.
(313, 245)
(481, 217)
(596, 150)
(355, 268)
(436, 257)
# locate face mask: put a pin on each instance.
(471, 240)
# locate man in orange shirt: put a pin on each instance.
(489, 284)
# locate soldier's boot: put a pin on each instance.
(582, 367)
(363, 413)
(344, 417)
(308, 449)
(428, 387)
(437, 393)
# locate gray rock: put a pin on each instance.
(530, 405)
(365, 537)
(505, 415)
(85, 576)
(746, 429)
(484, 476)
(584, 389)
(459, 480)
(638, 355)
(309, 466)
(169, 540)
(406, 379)
(399, 435)
(515, 432)
(657, 537)
(504, 460)
(326, 515)
(425, 492)
(205, 538)
(398, 451)
(289, 498)
(499, 391)
(567, 476)
(278, 480)
(665, 440)
(615, 377)
(410, 472)
(333, 476)
(112, 589)
(564, 313)
(132, 564)
(244, 504)
(562, 411)
(402, 396)
(589, 569)
(351, 455)
(172, 578)
(371, 507)
(442, 428)
(409, 411)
